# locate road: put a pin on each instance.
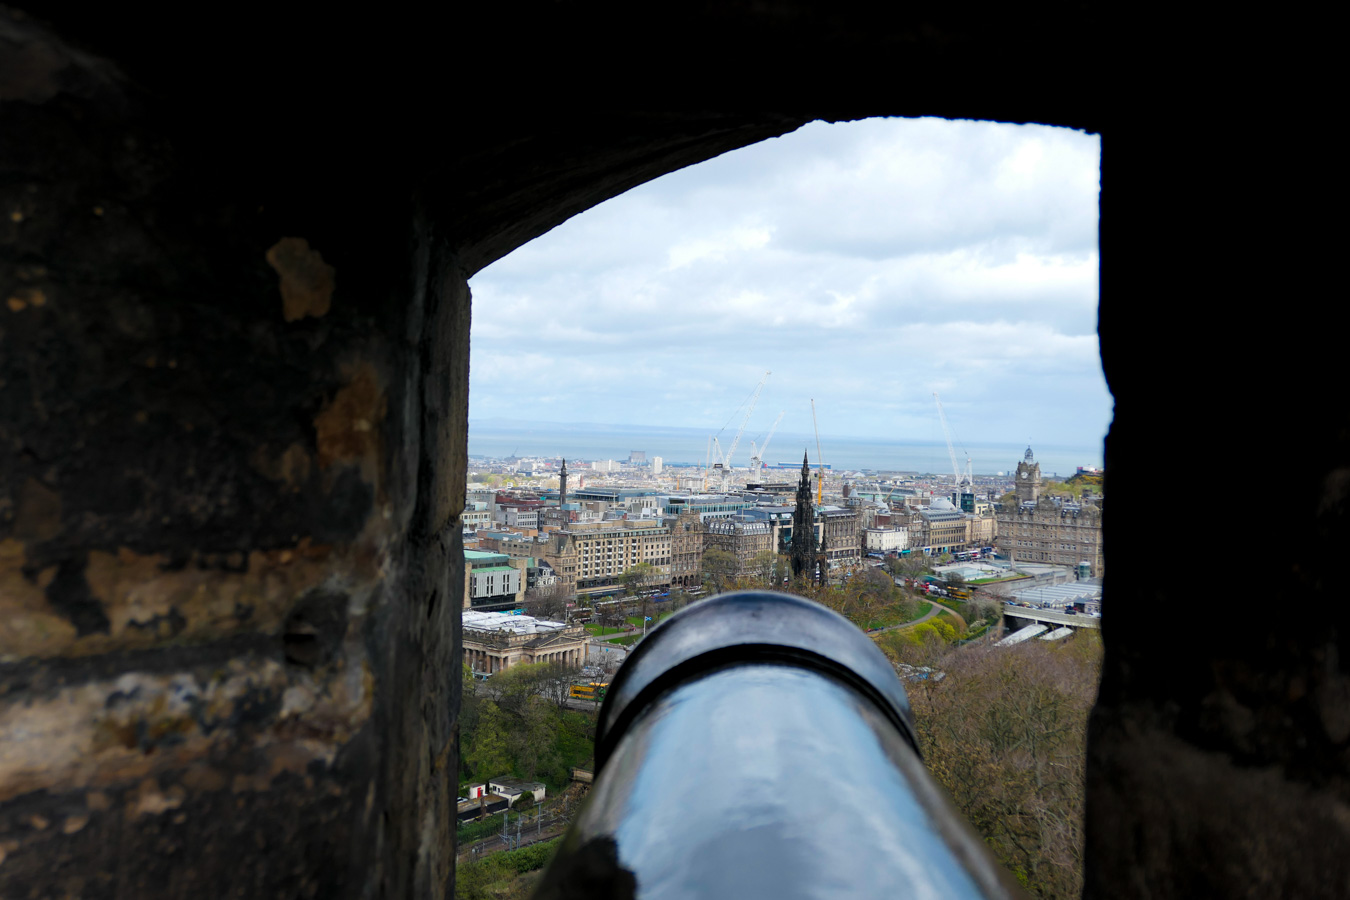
(480, 689)
(1049, 616)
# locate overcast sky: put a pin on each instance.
(866, 264)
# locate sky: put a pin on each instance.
(867, 265)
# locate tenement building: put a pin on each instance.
(590, 558)
(686, 549)
(494, 642)
(840, 528)
(1049, 529)
(742, 539)
(945, 528)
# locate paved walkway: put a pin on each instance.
(936, 610)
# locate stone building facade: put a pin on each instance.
(1050, 529)
(743, 540)
(590, 558)
(886, 540)
(841, 531)
(945, 528)
(686, 549)
(981, 530)
(494, 642)
(1053, 531)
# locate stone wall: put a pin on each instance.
(231, 465)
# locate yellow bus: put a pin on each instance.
(592, 691)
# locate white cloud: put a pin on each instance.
(865, 263)
(717, 247)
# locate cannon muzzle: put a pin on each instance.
(759, 745)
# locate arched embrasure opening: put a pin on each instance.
(870, 265)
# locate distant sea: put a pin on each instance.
(497, 438)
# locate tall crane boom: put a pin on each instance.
(726, 460)
(754, 398)
(951, 450)
(757, 456)
(708, 462)
(820, 461)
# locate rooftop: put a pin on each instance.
(475, 620)
(1060, 594)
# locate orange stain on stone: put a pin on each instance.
(306, 280)
(28, 624)
(291, 467)
(148, 603)
(347, 428)
(25, 297)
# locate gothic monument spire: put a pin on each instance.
(802, 552)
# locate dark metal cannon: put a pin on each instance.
(759, 745)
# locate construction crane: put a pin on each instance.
(967, 478)
(723, 463)
(757, 456)
(820, 461)
(708, 460)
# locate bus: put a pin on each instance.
(594, 690)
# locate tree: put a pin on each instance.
(765, 566)
(555, 680)
(487, 754)
(678, 600)
(637, 578)
(548, 601)
(635, 581)
(611, 616)
(1005, 734)
(910, 565)
(719, 567)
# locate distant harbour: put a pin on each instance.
(687, 446)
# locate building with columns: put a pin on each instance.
(494, 642)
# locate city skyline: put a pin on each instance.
(867, 265)
(498, 438)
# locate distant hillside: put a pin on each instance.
(1085, 479)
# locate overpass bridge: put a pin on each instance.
(1032, 616)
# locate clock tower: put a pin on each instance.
(1028, 479)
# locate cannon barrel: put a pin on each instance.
(759, 745)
